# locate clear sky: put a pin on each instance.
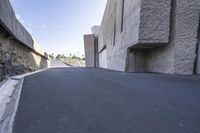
(58, 25)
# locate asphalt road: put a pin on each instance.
(86, 100)
(57, 63)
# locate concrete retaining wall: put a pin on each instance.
(18, 59)
(9, 21)
(19, 53)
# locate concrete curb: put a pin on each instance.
(9, 100)
(19, 88)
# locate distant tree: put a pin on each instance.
(76, 57)
(58, 57)
(51, 56)
(83, 57)
(63, 56)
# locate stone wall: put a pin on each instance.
(16, 59)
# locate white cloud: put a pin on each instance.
(29, 24)
(30, 30)
(61, 26)
(18, 16)
(43, 26)
(20, 19)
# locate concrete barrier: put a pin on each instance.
(9, 21)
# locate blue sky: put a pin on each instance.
(58, 25)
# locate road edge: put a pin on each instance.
(19, 88)
(11, 107)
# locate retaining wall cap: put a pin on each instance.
(9, 21)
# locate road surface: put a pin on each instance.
(86, 100)
(57, 63)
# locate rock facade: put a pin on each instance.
(17, 59)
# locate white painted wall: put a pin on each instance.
(103, 59)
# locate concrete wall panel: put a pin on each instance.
(117, 49)
(198, 61)
(198, 51)
(154, 21)
(145, 21)
(179, 54)
(103, 59)
(187, 21)
(167, 29)
(161, 60)
(89, 43)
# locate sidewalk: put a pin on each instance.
(10, 91)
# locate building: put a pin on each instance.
(91, 48)
(161, 36)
